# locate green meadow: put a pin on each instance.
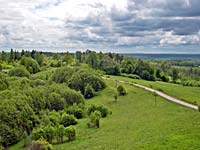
(185, 93)
(137, 122)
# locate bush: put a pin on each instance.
(89, 91)
(37, 133)
(70, 96)
(60, 133)
(63, 74)
(67, 120)
(76, 111)
(38, 82)
(31, 65)
(56, 102)
(70, 133)
(102, 109)
(82, 78)
(94, 121)
(3, 82)
(121, 90)
(19, 72)
(40, 144)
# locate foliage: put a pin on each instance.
(82, 78)
(4, 84)
(19, 72)
(40, 144)
(56, 102)
(70, 133)
(31, 65)
(67, 120)
(94, 121)
(100, 108)
(121, 90)
(89, 91)
(76, 110)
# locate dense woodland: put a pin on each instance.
(43, 94)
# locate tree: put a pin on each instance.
(79, 56)
(37, 133)
(94, 121)
(70, 133)
(40, 144)
(93, 60)
(115, 96)
(11, 58)
(60, 132)
(56, 102)
(146, 75)
(31, 65)
(175, 74)
(67, 120)
(67, 58)
(50, 133)
(89, 91)
(121, 90)
(39, 57)
(19, 72)
(4, 56)
(4, 84)
(104, 111)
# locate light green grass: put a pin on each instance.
(185, 93)
(138, 123)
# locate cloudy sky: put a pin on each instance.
(146, 26)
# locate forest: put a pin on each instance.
(43, 95)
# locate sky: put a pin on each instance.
(125, 26)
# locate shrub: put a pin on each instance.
(89, 91)
(67, 120)
(63, 74)
(94, 121)
(38, 82)
(31, 65)
(121, 90)
(102, 109)
(37, 133)
(70, 96)
(19, 72)
(56, 102)
(81, 78)
(3, 82)
(49, 133)
(40, 144)
(60, 133)
(70, 133)
(76, 111)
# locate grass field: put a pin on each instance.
(137, 123)
(185, 93)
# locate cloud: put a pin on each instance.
(126, 25)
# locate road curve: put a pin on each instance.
(167, 97)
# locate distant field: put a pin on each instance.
(137, 123)
(189, 94)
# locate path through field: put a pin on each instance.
(167, 97)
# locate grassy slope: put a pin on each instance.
(189, 94)
(137, 123)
